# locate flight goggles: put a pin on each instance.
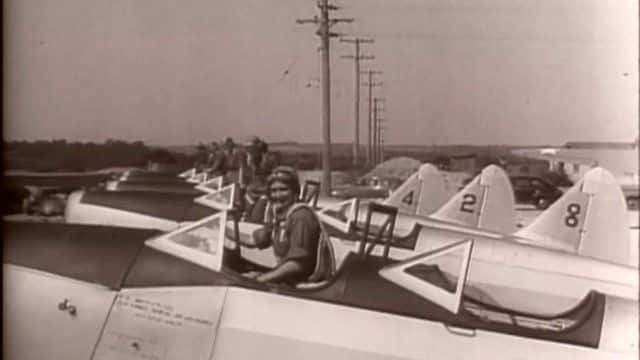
(283, 176)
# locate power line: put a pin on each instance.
(376, 128)
(371, 84)
(356, 60)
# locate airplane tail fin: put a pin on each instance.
(486, 202)
(589, 219)
(421, 194)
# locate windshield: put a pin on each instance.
(201, 242)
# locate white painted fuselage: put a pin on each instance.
(219, 322)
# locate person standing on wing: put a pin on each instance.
(229, 162)
(259, 166)
(292, 229)
(213, 151)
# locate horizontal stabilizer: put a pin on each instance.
(589, 219)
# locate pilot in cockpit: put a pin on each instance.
(292, 230)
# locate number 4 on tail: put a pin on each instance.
(408, 199)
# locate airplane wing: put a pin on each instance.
(64, 180)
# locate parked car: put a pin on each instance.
(632, 195)
(366, 188)
(534, 190)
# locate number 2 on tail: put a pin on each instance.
(468, 200)
(573, 210)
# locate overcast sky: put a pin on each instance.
(455, 71)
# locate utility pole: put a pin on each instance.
(376, 129)
(371, 85)
(324, 24)
(381, 130)
(357, 57)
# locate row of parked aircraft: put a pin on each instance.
(147, 272)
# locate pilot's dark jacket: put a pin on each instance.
(294, 238)
(255, 208)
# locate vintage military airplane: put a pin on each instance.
(156, 175)
(146, 209)
(51, 180)
(489, 195)
(37, 192)
(182, 183)
(485, 203)
(538, 271)
(94, 292)
(580, 243)
(592, 210)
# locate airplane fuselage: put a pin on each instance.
(126, 300)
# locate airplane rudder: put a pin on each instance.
(607, 235)
(406, 195)
(498, 207)
(465, 206)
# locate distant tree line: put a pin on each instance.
(60, 155)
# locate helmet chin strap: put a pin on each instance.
(281, 209)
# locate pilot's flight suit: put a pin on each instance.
(296, 237)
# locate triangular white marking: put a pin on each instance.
(188, 173)
(211, 186)
(348, 208)
(201, 242)
(449, 300)
(198, 178)
(220, 200)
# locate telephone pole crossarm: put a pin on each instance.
(315, 20)
(358, 40)
(343, 20)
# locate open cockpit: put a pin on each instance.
(429, 286)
